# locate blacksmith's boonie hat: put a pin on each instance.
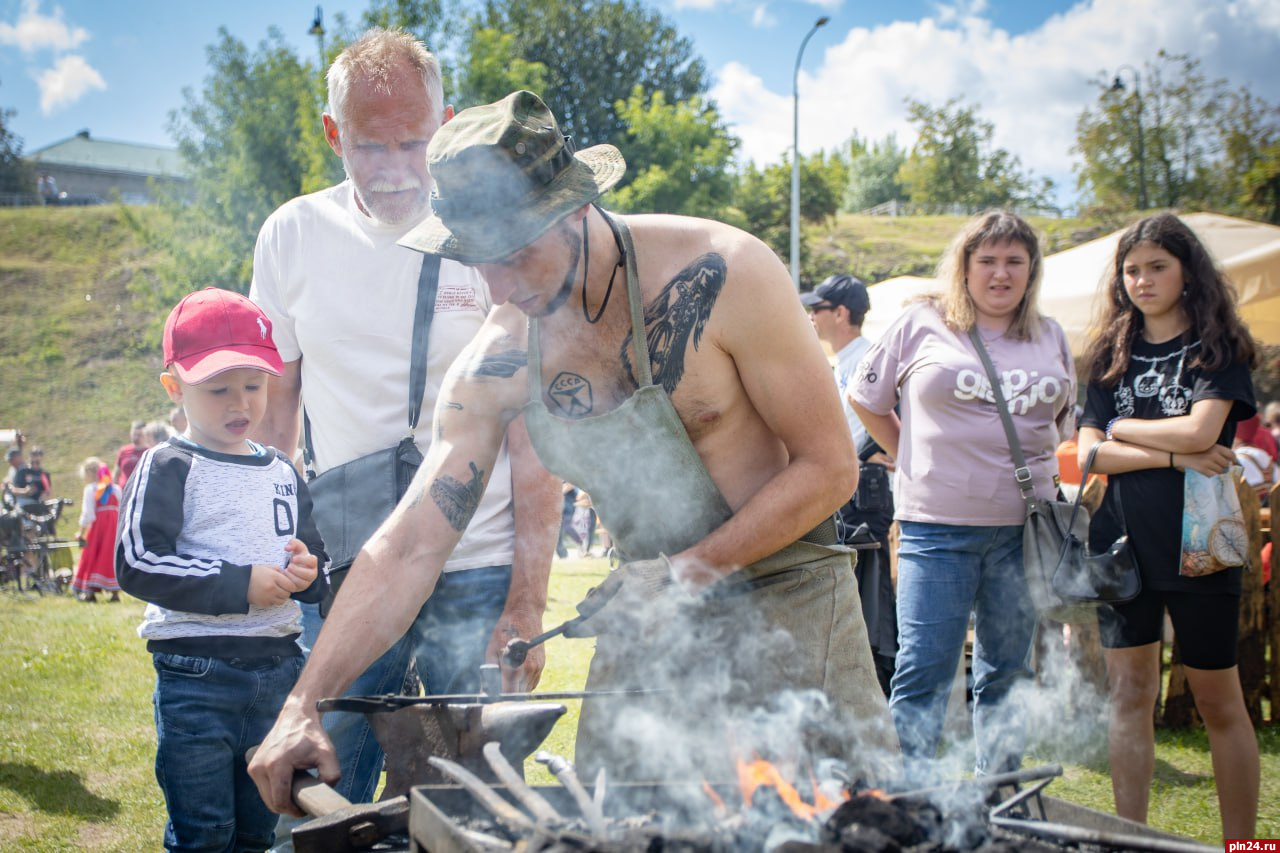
(505, 175)
(843, 290)
(214, 330)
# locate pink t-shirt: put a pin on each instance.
(953, 460)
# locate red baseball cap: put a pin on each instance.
(214, 330)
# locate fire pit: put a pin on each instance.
(702, 818)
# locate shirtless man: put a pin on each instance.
(716, 462)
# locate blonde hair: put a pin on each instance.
(90, 467)
(374, 58)
(956, 305)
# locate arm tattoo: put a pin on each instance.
(456, 499)
(571, 393)
(502, 364)
(677, 314)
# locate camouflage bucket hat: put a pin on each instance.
(505, 175)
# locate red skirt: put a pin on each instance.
(97, 569)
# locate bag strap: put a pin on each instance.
(423, 313)
(1021, 473)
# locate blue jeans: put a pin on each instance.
(447, 640)
(208, 712)
(945, 572)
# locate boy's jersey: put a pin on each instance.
(192, 524)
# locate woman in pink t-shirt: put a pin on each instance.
(958, 506)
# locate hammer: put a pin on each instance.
(338, 825)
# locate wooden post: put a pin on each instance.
(1273, 611)
(1253, 632)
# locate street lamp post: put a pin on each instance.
(317, 30)
(795, 156)
(1117, 85)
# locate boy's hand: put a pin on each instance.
(269, 586)
(302, 566)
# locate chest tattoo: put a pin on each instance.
(501, 364)
(679, 313)
(571, 394)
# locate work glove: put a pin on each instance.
(630, 586)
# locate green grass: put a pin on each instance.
(77, 739)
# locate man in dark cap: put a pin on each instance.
(663, 364)
(837, 308)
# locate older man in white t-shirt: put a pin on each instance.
(837, 308)
(341, 294)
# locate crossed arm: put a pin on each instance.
(1185, 441)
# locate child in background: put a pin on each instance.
(99, 513)
(1169, 381)
(216, 535)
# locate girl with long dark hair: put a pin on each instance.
(1169, 368)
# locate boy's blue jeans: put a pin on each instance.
(447, 640)
(945, 572)
(208, 712)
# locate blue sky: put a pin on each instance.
(118, 68)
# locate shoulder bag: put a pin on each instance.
(350, 501)
(1066, 582)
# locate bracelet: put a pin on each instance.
(1171, 465)
(1110, 426)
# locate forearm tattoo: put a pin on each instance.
(501, 364)
(571, 393)
(677, 314)
(456, 499)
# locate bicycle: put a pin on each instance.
(30, 534)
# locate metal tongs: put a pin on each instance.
(517, 650)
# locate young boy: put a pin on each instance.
(216, 534)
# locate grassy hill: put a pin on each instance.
(80, 355)
(77, 361)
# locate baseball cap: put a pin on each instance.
(504, 174)
(214, 330)
(840, 290)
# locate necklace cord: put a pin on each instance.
(586, 264)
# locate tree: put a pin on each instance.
(873, 174)
(1173, 138)
(680, 157)
(595, 53)
(16, 174)
(492, 68)
(954, 163)
(764, 200)
(252, 140)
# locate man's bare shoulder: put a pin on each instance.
(491, 372)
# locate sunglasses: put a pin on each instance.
(825, 306)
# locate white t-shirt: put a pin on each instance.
(953, 459)
(340, 295)
(846, 367)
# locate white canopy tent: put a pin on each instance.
(1248, 251)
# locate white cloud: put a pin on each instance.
(66, 82)
(34, 31)
(761, 19)
(698, 4)
(1031, 86)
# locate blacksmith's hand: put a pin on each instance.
(631, 585)
(296, 741)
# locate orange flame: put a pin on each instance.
(761, 774)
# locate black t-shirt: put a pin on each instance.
(29, 476)
(1161, 383)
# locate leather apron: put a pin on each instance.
(790, 622)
